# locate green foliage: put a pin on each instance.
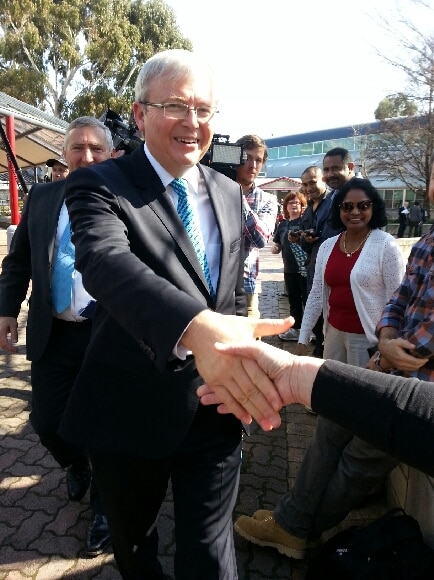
(398, 105)
(78, 57)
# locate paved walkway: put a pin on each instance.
(42, 533)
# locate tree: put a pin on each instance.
(403, 146)
(80, 57)
(398, 105)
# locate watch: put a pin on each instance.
(377, 359)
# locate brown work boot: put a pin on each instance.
(263, 530)
(313, 542)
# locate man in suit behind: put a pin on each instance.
(159, 313)
(55, 341)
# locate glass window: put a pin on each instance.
(317, 147)
(294, 150)
(306, 149)
(282, 152)
(388, 199)
(272, 153)
(330, 144)
(398, 195)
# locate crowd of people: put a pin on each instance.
(144, 318)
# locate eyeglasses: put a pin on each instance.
(293, 203)
(204, 113)
(348, 206)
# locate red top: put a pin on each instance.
(342, 309)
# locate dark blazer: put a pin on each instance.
(137, 260)
(30, 258)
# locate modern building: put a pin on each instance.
(289, 155)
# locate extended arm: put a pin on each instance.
(392, 413)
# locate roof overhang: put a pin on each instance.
(38, 135)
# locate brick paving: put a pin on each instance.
(42, 533)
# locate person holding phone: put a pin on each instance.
(287, 240)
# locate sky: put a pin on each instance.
(292, 66)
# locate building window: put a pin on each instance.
(317, 148)
(306, 149)
(282, 152)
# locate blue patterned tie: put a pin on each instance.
(185, 212)
(61, 280)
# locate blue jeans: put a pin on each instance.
(338, 470)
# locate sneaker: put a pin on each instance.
(291, 334)
(263, 530)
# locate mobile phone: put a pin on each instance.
(294, 233)
(310, 233)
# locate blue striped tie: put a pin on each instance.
(185, 212)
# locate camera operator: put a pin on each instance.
(260, 213)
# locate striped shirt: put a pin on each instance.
(260, 214)
(411, 308)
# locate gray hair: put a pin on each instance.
(173, 64)
(89, 122)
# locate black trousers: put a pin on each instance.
(296, 288)
(204, 472)
(52, 378)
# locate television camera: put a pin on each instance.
(224, 156)
(126, 136)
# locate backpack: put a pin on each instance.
(390, 548)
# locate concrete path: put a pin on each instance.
(42, 533)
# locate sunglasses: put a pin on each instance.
(348, 206)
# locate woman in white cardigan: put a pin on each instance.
(356, 273)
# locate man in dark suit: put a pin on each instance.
(160, 307)
(55, 341)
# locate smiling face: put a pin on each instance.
(176, 143)
(314, 186)
(85, 146)
(357, 220)
(336, 172)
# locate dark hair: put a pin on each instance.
(293, 195)
(251, 142)
(344, 154)
(379, 217)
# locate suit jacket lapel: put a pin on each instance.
(57, 198)
(162, 205)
